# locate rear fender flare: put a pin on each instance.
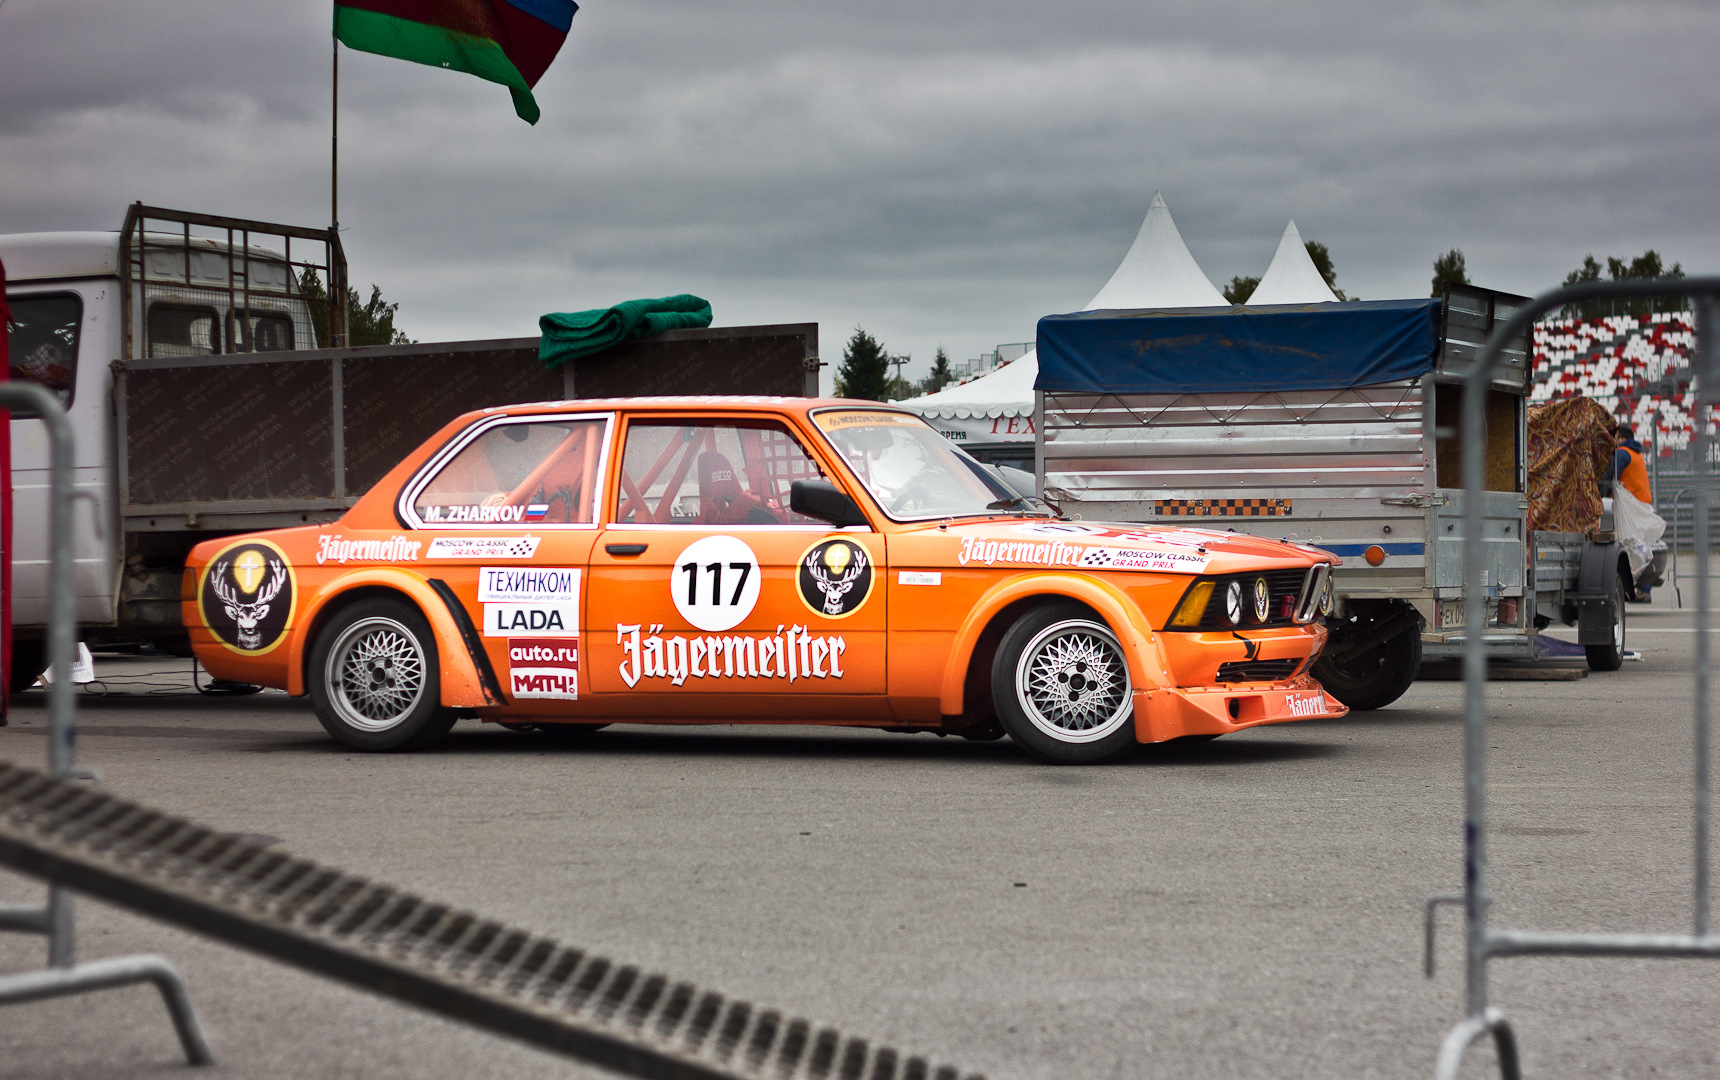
(1140, 644)
(462, 687)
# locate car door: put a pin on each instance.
(508, 514)
(709, 595)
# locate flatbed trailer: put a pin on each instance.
(208, 394)
(1334, 425)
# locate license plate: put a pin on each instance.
(1450, 615)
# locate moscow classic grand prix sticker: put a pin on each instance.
(246, 597)
(835, 577)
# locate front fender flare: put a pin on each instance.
(1140, 644)
(462, 686)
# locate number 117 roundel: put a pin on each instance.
(562, 567)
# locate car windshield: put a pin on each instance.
(915, 473)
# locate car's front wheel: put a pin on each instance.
(374, 680)
(1061, 685)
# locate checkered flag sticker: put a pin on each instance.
(523, 548)
(1096, 556)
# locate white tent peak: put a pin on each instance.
(1158, 271)
(1292, 278)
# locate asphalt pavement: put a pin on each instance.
(1250, 907)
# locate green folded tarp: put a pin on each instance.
(570, 335)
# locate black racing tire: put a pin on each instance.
(1061, 686)
(374, 678)
(1610, 657)
(29, 660)
(1376, 677)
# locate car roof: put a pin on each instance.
(724, 403)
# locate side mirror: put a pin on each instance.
(825, 501)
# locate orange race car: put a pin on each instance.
(565, 565)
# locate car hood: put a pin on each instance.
(1096, 545)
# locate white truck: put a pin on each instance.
(209, 394)
(1333, 425)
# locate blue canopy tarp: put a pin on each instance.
(1212, 350)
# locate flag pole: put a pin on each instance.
(334, 142)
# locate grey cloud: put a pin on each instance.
(936, 172)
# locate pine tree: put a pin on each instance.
(941, 373)
(1449, 269)
(865, 370)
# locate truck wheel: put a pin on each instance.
(374, 680)
(1610, 657)
(1374, 677)
(1062, 689)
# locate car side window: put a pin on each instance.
(518, 473)
(715, 473)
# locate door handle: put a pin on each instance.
(624, 549)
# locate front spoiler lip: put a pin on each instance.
(1161, 715)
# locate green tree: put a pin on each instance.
(1449, 269)
(1645, 267)
(367, 322)
(865, 370)
(941, 374)
(1240, 289)
(1323, 263)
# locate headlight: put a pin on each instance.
(1233, 603)
(1193, 605)
(1326, 596)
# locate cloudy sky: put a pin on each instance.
(937, 171)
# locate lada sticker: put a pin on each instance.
(540, 601)
(715, 583)
(247, 597)
(835, 578)
(483, 547)
(336, 548)
(790, 654)
(543, 668)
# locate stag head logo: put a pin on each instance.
(835, 577)
(245, 590)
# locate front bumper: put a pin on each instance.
(1161, 715)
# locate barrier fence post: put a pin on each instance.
(55, 919)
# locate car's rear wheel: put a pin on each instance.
(374, 679)
(1061, 685)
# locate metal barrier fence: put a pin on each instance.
(1483, 942)
(64, 975)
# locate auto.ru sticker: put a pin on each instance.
(544, 668)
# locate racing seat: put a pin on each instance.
(722, 500)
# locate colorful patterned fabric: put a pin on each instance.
(1570, 451)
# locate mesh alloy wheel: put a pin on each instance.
(376, 672)
(1073, 683)
(374, 678)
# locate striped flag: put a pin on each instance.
(504, 41)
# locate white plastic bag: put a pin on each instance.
(1639, 528)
